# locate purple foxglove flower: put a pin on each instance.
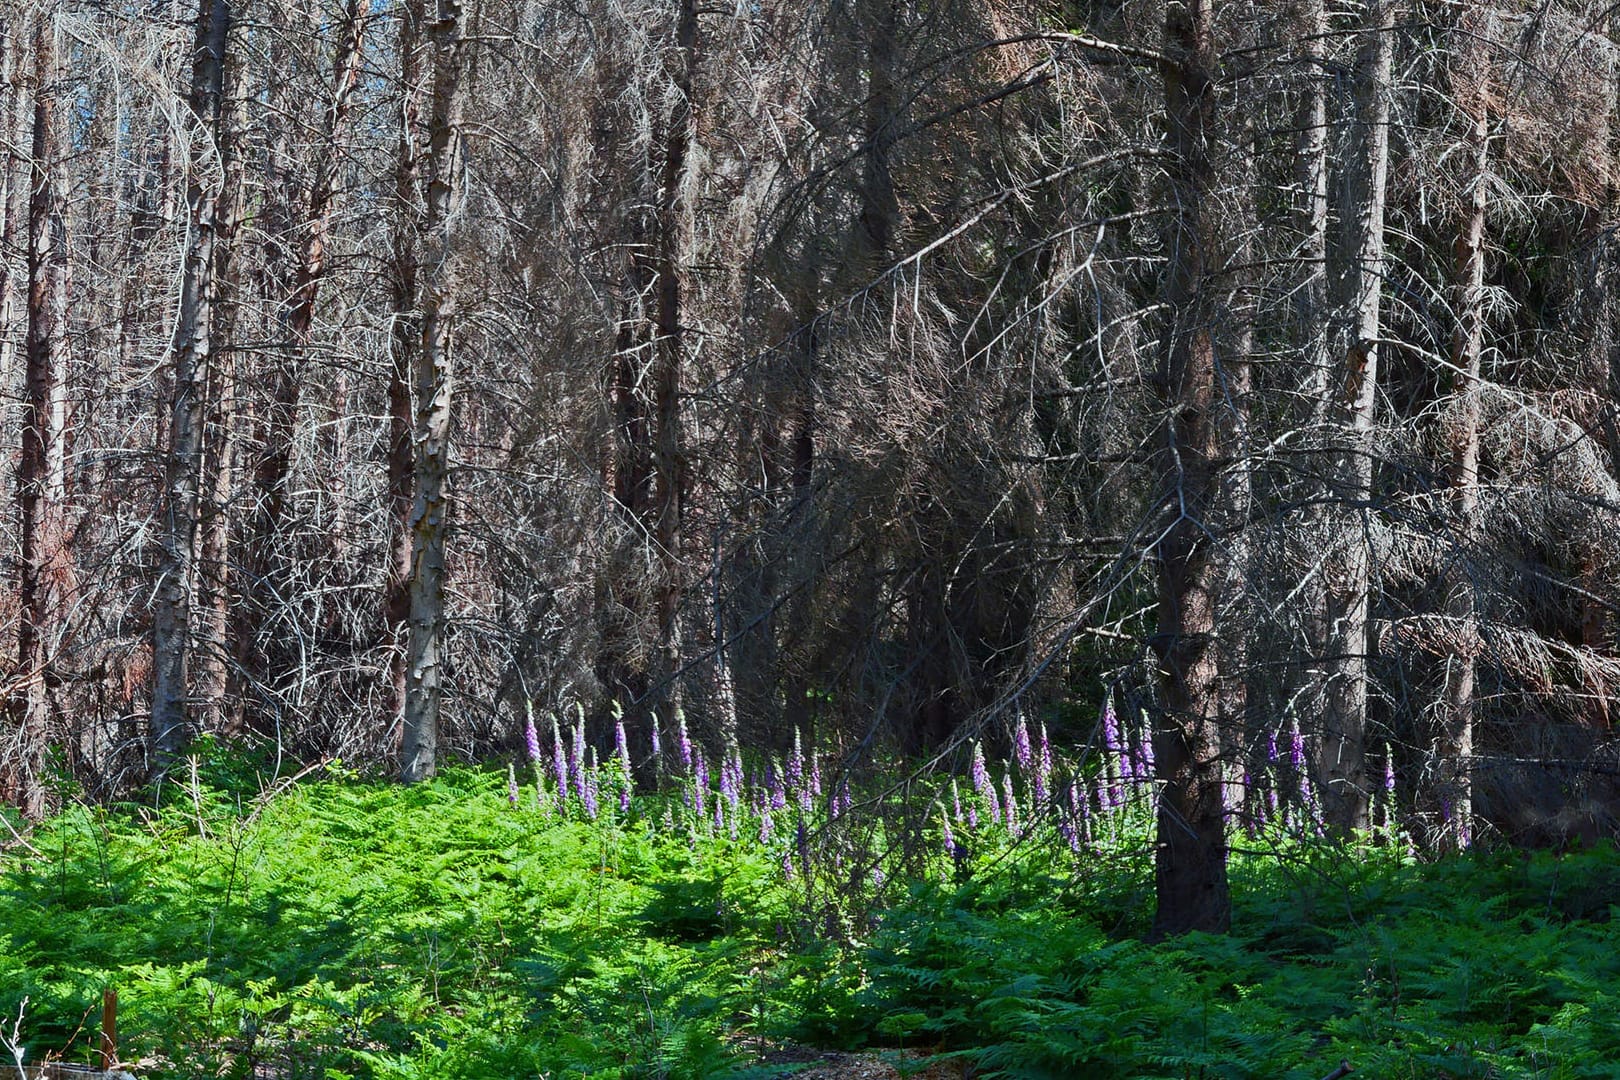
(946, 836)
(795, 763)
(1110, 727)
(576, 758)
(511, 781)
(1147, 754)
(1070, 837)
(1271, 748)
(719, 815)
(767, 827)
(1389, 769)
(981, 774)
(1021, 749)
(559, 762)
(621, 747)
(731, 782)
(683, 740)
(531, 740)
(956, 800)
(1296, 748)
(787, 865)
(773, 784)
(815, 773)
(700, 783)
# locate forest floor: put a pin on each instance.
(341, 928)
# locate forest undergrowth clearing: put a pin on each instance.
(352, 929)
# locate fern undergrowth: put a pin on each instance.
(344, 928)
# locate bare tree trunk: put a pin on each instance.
(1190, 874)
(669, 468)
(46, 569)
(171, 725)
(424, 684)
(1455, 745)
(15, 117)
(1346, 797)
(219, 439)
(404, 341)
(1313, 182)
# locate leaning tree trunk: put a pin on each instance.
(1346, 797)
(46, 570)
(1190, 875)
(424, 652)
(1455, 745)
(171, 630)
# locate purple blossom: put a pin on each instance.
(559, 762)
(683, 740)
(767, 827)
(795, 762)
(787, 865)
(1296, 748)
(1389, 769)
(511, 780)
(1271, 748)
(956, 801)
(1021, 749)
(701, 783)
(576, 757)
(946, 836)
(815, 773)
(587, 787)
(719, 815)
(531, 739)
(621, 746)
(773, 785)
(981, 775)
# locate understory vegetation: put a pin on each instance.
(340, 927)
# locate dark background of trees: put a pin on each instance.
(375, 372)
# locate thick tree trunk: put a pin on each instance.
(424, 654)
(1346, 796)
(1455, 744)
(171, 724)
(46, 569)
(1190, 873)
(220, 448)
(404, 341)
(669, 466)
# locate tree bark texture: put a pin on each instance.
(425, 645)
(171, 722)
(1190, 871)
(1346, 796)
(47, 576)
(1455, 743)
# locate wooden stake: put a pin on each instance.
(109, 1029)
